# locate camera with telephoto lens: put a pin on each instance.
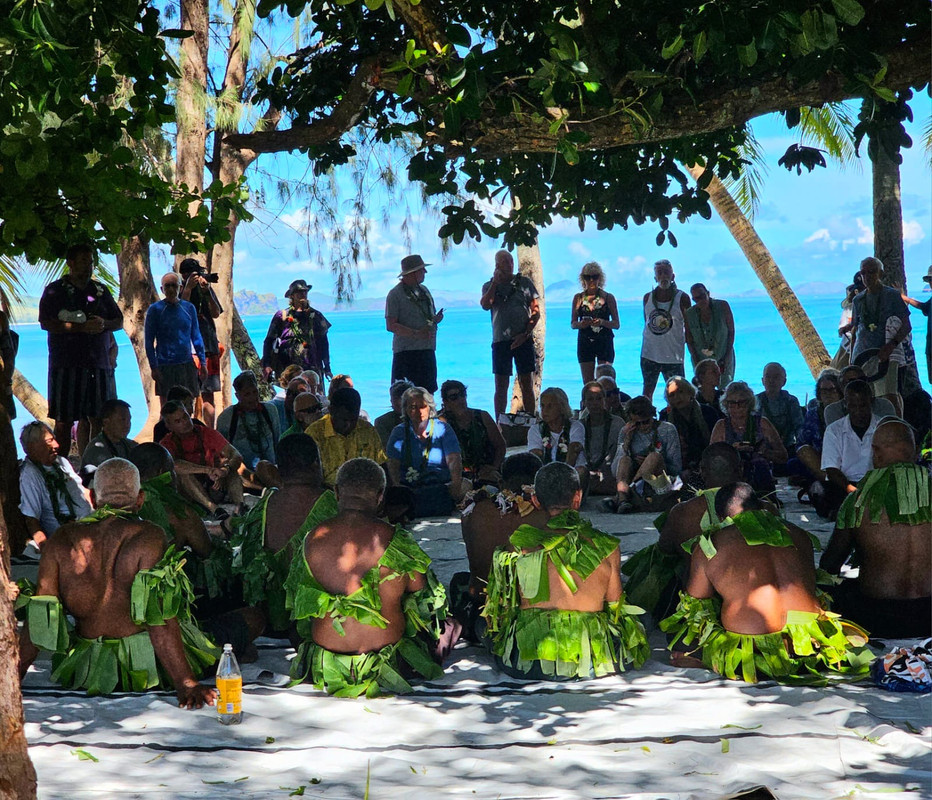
(210, 277)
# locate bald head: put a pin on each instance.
(152, 460)
(734, 498)
(116, 483)
(893, 443)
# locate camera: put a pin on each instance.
(210, 277)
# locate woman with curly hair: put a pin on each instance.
(595, 316)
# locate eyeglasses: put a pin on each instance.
(737, 402)
(311, 410)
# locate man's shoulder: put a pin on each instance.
(395, 291)
(213, 436)
(320, 427)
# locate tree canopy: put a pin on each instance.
(579, 109)
(82, 85)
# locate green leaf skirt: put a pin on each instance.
(807, 646)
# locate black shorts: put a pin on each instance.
(417, 366)
(884, 619)
(524, 359)
(595, 346)
(78, 392)
(178, 375)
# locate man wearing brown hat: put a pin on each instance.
(411, 316)
(297, 335)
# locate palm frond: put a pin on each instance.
(830, 128)
(747, 188)
(927, 139)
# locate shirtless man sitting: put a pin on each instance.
(890, 596)
(656, 574)
(206, 464)
(488, 521)
(347, 589)
(263, 537)
(751, 599)
(90, 568)
(574, 625)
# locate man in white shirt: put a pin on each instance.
(51, 493)
(846, 446)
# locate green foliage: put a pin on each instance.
(519, 73)
(80, 84)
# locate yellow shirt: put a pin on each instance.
(336, 450)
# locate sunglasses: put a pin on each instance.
(455, 395)
(737, 402)
(588, 278)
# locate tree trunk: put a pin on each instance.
(531, 266)
(137, 293)
(888, 217)
(31, 398)
(246, 356)
(784, 298)
(191, 102)
(17, 774)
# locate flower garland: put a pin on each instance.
(562, 442)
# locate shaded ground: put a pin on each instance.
(655, 732)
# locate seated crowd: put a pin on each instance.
(305, 500)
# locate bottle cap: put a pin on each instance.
(228, 648)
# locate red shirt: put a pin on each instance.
(202, 446)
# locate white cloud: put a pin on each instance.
(631, 266)
(912, 232)
(579, 249)
(821, 235)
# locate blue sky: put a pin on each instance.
(817, 225)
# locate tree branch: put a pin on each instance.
(427, 30)
(344, 116)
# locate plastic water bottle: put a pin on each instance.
(230, 688)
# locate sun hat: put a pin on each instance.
(297, 286)
(411, 264)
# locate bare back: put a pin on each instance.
(601, 587)
(758, 584)
(484, 529)
(339, 553)
(286, 512)
(681, 525)
(896, 560)
(95, 565)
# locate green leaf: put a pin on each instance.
(674, 47)
(299, 792)
(725, 745)
(83, 755)
(374, 5)
(747, 54)
(176, 33)
(459, 35)
(700, 45)
(848, 11)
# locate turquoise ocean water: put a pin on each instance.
(361, 347)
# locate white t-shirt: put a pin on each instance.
(34, 496)
(558, 443)
(844, 451)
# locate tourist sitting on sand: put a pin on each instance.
(886, 523)
(112, 441)
(750, 607)
(307, 409)
(482, 446)
(557, 436)
(110, 571)
(646, 448)
(846, 451)
(267, 537)
(206, 464)
(489, 518)
(285, 405)
(754, 437)
(809, 442)
(779, 406)
(555, 607)
(880, 406)
(707, 379)
(424, 456)
(615, 399)
(602, 431)
(371, 609)
(50, 491)
(343, 434)
(693, 422)
(184, 396)
(253, 428)
(658, 572)
(385, 424)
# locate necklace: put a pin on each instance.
(422, 300)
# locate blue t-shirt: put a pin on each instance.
(404, 445)
(171, 330)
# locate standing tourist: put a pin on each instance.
(595, 316)
(412, 318)
(78, 313)
(512, 299)
(664, 341)
(297, 335)
(171, 332)
(925, 307)
(710, 331)
(880, 321)
(197, 291)
(9, 344)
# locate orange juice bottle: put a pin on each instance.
(230, 689)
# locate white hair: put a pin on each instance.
(32, 431)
